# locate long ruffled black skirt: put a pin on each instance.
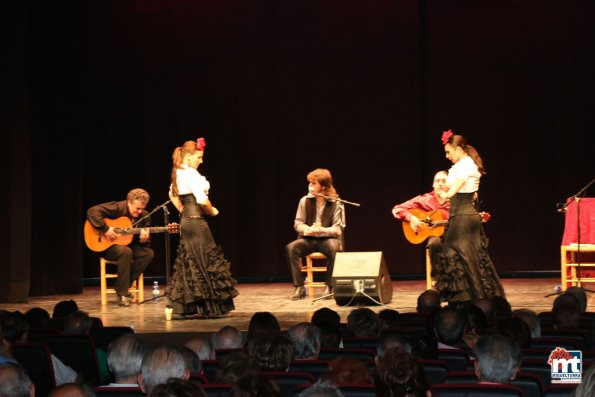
(201, 284)
(465, 270)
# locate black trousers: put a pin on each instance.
(301, 247)
(132, 261)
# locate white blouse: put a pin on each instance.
(191, 182)
(465, 169)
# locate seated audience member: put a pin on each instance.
(497, 359)
(400, 374)
(16, 330)
(347, 370)
(178, 388)
(124, 359)
(255, 385)
(6, 356)
(587, 386)
(227, 337)
(328, 322)
(193, 363)
(450, 326)
(566, 314)
(235, 365)
(516, 329)
(306, 341)
(64, 308)
(486, 305)
(388, 341)
(73, 390)
(37, 317)
(14, 381)
(322, 389)
(531, 318)
(201, 347)
(330, 335)
(580, 295)
(389, 319)
(500, 309)
(262, 324)
(273, 353)
(159, 365)
(428, 302)
(79, 323)
(363, 323)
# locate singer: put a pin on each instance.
(465, 271)
(319, 222)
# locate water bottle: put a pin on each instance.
(155, 292)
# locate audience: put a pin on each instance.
(273, 353)
(37, 317)
(64, 308)
(389, 319)
(193, 363)
(587, 386)
(14, 382)
(73, 390)
(262, 324)
(322, 389)
(255, 385)
(400, 375)
(159, 365)
(306, 341)
(498, 359)
(580, 295)
(227, 337)
(124, 359)
(235, 365)
(450, 326)
(175, 387)
(347, 370)
(531, 318)
(363, 323)
(202, 347)
(428, 302)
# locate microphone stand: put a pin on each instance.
(562, 208)
(337, 199)
(167, 243)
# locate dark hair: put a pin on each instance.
(37, 317)
(234, 366)
(255, 385)
(347, 370)
(64, 308)
(176, 387)
(460, 141)
(262, 323)
(273, 353)
(401, 375)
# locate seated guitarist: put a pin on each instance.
(426, 202)
(132, 259)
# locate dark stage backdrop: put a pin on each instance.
(105, 90)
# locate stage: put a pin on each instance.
(149, 318)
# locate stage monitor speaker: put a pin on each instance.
(357, 274)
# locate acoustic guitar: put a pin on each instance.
(96, 240)
(433, 225)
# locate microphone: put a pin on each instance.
(561, 207)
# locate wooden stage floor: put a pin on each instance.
(273, 297)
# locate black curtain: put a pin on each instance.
(104, 91)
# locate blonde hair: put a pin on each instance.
(189, 147)
(139, 195)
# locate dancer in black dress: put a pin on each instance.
(465, 270)
(201, 285)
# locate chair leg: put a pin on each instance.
(141, 287)
(428, 270)
(102, 282)
(310, 277)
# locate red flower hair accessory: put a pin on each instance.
(446, 136)
(201, 143)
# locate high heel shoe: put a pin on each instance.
(299, 293)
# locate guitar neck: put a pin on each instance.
(137, 230)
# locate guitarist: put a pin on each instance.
(132, 259)
(426, 202)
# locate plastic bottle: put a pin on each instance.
(155, 291)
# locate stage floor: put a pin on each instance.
(149, 317)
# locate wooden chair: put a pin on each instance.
(137, 287)
(310, 269)
(569, 247)
(428, 270)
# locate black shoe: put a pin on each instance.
(123, 301)
(328, 291)
(299, 293)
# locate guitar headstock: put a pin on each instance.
(173, 228)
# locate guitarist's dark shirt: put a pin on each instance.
(114, 210)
